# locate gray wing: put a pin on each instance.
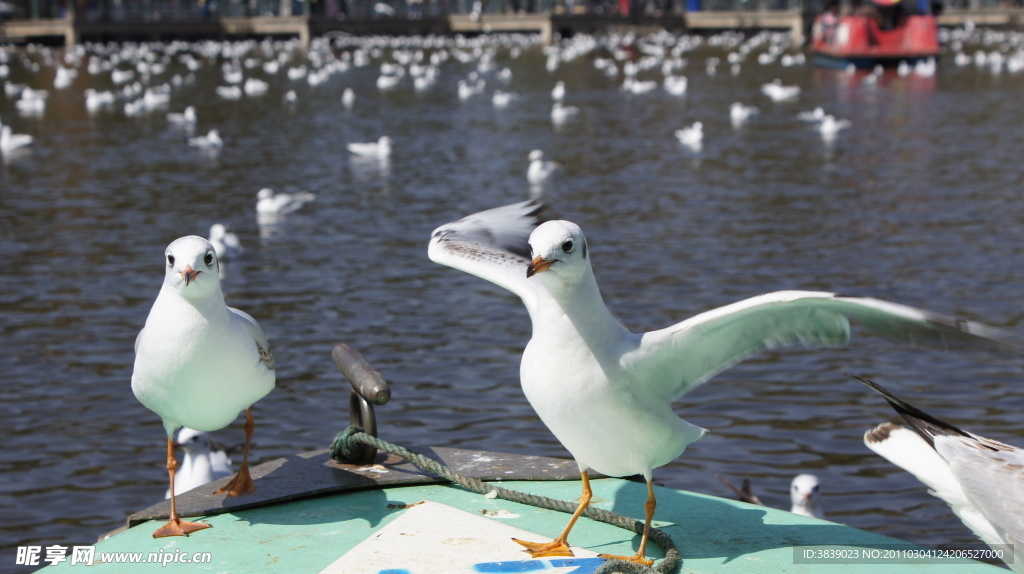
(991, 474)
(693, 351)
(493, 245)
(258, 336)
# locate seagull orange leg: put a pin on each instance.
(640, 556)
(560, 545)
(175, 526)
(242, 483)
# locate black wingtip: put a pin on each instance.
(923, 423)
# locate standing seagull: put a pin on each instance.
(541, 170)
(198, 362)
(981, 479)
(607, 393)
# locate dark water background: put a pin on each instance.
(920, 202)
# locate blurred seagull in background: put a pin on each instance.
(270, 203)
(203, 462)
(541, 170)
(805, 496)
(380, 149)
(225, 242)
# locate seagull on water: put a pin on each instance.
(211, 141)
(225, 242)
(10, 141)
(203, 463)
(270, 203)
(542, 170)
(185, 118)
(198, 362)
(692, 136)
(606, 393)
(739, 113)
(380, 149)
(805, 496)
(981, 479)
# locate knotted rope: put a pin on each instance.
(349, 443)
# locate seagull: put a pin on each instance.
(198, 362)
(805, 494)
(270, 203)
(606, 393)
(380, 149)
(211, 141)
(561, 113)
(780, 93)
(187, 117)
(981, 479)
(692, 136)
(10, 141)
(830, 126)
(740, 113)
(558, 92)
(813, 116)
(203, 463)
(541, 170)
(348, 97)
(225, 242)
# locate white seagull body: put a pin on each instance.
(202, 463)
(805, 496)
(187, 117)
(10, 141)
(379, 149)
(830, 126)
(270, 203)
(740, 113)
(981, 479)
(558, 92)
(198, 362)
(541, 170)
(606, 393)
(780, 93)
(211, 141)
(225, 242)
(562, 113)
(692, 136)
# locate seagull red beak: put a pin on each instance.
(537, 265)
(189, 275)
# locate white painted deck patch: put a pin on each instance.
(430, 538)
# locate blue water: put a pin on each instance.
(918, 202)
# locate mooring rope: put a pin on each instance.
(349, 443)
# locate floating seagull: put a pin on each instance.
(813, 116)
(348, 97)
(379, 149)
(830, 126)
(270, 203)
(541, 170)
(606, 393)
(10, 141)
(739, 113)
(210, 141)
(502, 99)
(981, 479)
(561, 113)
(187, 117)
(203, 463)
(805, 495)
(779, 93)
(225, 242)
(675, 85)
(198, 362)
(558, 92)
(692, 136)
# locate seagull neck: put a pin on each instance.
(578, 307)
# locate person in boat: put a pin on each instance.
(830, 20)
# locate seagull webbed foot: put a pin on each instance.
(635, 559)
(179, 527)
(541, 549)
(242, 483)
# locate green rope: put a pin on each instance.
(348, 444)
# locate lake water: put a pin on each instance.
(919, 201)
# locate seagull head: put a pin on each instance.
(805, 494)
(535, 155)
(191, 266)
(193, 441)
(560, 249)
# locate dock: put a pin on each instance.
(550, 25)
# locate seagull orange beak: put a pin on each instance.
(537, 265)
(189, 275)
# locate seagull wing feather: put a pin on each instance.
(493, 245)
(691, 352)
(258, 336)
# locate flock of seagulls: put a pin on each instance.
(626, 381)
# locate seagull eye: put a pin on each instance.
(170, 260)
(209, 258)
(567, 246)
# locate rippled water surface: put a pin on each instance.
(920, 202)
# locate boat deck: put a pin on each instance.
(367, 528)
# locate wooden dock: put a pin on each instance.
(549, 26)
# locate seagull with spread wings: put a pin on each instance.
(606, 393)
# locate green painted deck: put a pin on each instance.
(712, 534)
